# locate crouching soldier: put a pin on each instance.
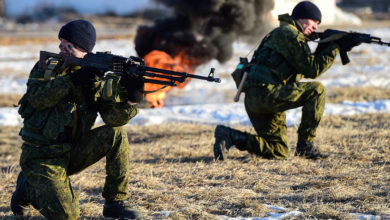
(59, 110)
(272, 87)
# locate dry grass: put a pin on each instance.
(370, 93)
(173, 170)
(26, 40)
(8, 100)
(108, 27)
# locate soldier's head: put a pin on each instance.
(77, 38)
(308, 15)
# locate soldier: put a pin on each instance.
(273, 86)
(59, 110)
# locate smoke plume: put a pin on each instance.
(205, 29)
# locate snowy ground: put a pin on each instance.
(204, 102)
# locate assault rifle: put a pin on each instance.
(333, 35)
(132, 66)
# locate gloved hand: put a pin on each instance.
(347, 42)
(85, 75)
(313, 36)
(134, 86)
(326, 34)
(321, 47)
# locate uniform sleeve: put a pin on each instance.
(293, 47)
(45, 94)
(117, 114)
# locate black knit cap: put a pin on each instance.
(306, 10)
(79, 32)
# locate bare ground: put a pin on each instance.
(172, 169)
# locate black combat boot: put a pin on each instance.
(120, 209)
(225, 138)
(19, 201)
(308, 150)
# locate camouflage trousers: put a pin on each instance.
(266, 106)
(47, 170)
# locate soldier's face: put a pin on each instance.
(309, 25)
(68, 48)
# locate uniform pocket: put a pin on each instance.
(30, 152)
(25, 109)
(49, 122)
(56, 122)
(259, 100)
(36, 120)
(288, 93)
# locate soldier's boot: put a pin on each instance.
(120, 209)
(19, 201)
(225, 138)
(308, 150)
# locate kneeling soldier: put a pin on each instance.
(59, 110)
(272, 87)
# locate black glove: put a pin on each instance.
(347, 42)
(322, 36)
(85, 75)
(321, 47)
(314, 36)
(134, 86)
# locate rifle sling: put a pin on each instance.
(153, 91)
(50, 68)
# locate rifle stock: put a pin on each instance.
(240, 87)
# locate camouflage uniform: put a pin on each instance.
(59, 141)
(273, 86)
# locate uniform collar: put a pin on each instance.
(286, 19)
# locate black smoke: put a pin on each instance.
(206, 29)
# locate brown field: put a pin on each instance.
(7, 100)
(172, 169)
(334, 95)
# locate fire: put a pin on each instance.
(162, 60)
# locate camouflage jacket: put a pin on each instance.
(56, 111)
(284, 56)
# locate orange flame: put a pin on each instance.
(162, 60)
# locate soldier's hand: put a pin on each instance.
(326, 34)
(321, 47)
(134, 87)
(85, 75)
(347, 42)
(313, 36)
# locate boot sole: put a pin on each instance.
(19, 207)
(219, 153)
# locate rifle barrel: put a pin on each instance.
(157, 70)
(182, 74)
(159, 82)
(170, 77)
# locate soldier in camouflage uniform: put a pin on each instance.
(273, 86)
(59, 110)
